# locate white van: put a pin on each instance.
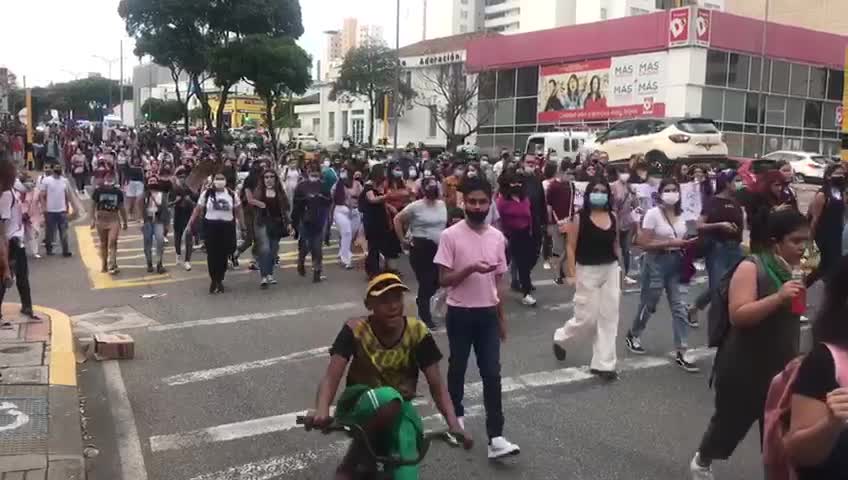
(565, 144)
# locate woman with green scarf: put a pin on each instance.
(764, 336)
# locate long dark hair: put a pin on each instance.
(828, 186)
(280, 193)
(831, 322)
(587, 205)
(678, 207)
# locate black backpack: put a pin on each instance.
(718, 316)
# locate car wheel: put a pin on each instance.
(799, 178)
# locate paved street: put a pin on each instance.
(218, 380)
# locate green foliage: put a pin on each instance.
(87, 98)
(196, 114)
(370, 72)
(162, 111)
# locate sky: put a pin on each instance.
(60, 40)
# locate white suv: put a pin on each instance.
(686, 138)
(808, 167)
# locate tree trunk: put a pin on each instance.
(219, 118)
(204, 102)
(269, 113)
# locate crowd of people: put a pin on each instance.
(467, 222)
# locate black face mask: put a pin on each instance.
(432, 191)
(476, 218)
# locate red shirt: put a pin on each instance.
(561, 199)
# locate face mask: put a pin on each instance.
(413, 173)
(219, 184)
(624, 177)
(529, 170)
(598, 199)
(472, 173)
(326, 164)
(314, 178)
(428, 173)
(476, 218)
(738, 186)
(397, 173)
(343, 175)
(670, 198)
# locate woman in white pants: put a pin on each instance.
(593, 265)
(346, 213)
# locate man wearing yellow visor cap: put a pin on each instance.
(385, 350)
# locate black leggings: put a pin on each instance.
(523, 250)
(220, 244)
(421, 255)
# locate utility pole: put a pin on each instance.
(761, 110)
(121, 81)
(424, 19)
(395, 96)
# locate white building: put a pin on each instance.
(452, 17)
(330, 121)
(370, 34)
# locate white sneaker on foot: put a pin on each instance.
(272, 280)
(529, 300)
(500, 447)
(629, 281)
(546, 265)
(698, 472)
(187, 266)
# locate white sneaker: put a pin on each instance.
(698, 472)
(187, 266)
(272, 280)
(529, 300)
(546, 265)
(629, 281)
(166, 241)
(500, 447)
(264, 282)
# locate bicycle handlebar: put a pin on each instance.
(357, 433)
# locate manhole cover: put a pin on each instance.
(111, 320)
(23, 425)
(14, 350)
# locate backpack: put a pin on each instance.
(777, 463)
(718, 316)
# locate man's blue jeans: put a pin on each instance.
(56, 220)
(478, 328)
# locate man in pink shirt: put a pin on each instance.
(472, 261)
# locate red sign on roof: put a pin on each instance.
(678, 26)
(703, 27)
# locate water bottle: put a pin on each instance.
(799, 302)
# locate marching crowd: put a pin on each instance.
(468, 221)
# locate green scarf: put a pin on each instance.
(776, 269)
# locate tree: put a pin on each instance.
(162, 111)
(202, 37)
(371, 72)
(275, 67)
(452, 97)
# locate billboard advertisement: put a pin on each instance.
(610, 88)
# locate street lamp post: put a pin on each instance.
(109, 62)
(395, 93)
(761, 110)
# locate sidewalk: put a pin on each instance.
(40, 437)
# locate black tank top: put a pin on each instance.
(594, 245)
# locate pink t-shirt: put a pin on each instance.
(461, 246)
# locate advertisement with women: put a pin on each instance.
(618, 87)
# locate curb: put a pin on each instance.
(62, 369)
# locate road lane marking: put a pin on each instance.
(213, 373)
(129, 445)
(254, 316)
(278, 467)
(285, 422)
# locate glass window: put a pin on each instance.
(795, 112)
(813, 115)
(834, 85)
(711, 103)
(792, 144)
(528, 82)
(772, 144)
(434, 122)
(506, 83)
(779, 77)
(829, 117)
(818, 82)
(812, 133)
(775, 110)
(521, 141)
(799, 80)
(734, 106)
(734, 143)
(487, 85)
(812, 144)
(716, 68)
(754, 79)
(331, 126)
(830, 148)
(525, 111)
(486, 113)
(487, 144)
(738, 71)
(505, 142)
(505, 112)
(752, 145)
(752, 110)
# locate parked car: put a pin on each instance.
(565, 144)
(675, 139)
(808, 167)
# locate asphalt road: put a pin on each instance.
(217, 381)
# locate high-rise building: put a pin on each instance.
(349, 35)
(822, 15)
(370, 34)
(444, 18)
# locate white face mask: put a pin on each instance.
(670, 198)
(219, 184)
(624, 177)
(343, 175)
(413, 173)
(326, 164)
(428, 174)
